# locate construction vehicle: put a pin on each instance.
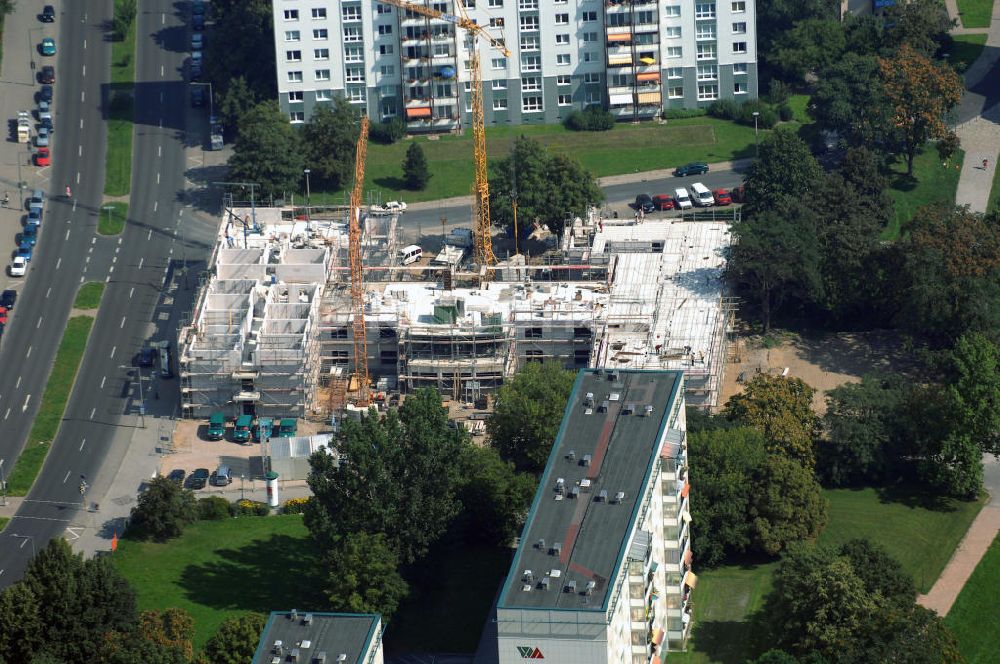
(482, 226)
(216, 426)
(241, 431)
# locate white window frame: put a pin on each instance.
(291, 14)
(564, 59)
(533, 104)
(294, 76)
(564, 100)
(319, 13)
(499, 103)
(321, 54)
(293, 36)
(564, 79)
(296, 117)
(321, 75)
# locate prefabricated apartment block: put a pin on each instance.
(320, 638)
(602, 572)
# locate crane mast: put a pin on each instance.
(357, 282)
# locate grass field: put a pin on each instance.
(965, 49)
(218, 569)
(89, 295)
(118, 161)
(995, 191)
(4, 520)
(973, 616)
(921, 535)
(625, 149)
(932, 182)
(111, 221)
(975, 13)
(53, 404)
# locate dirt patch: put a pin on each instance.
(822, 361)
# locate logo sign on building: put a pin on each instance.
(529, 652)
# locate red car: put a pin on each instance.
(663, 202)
(722, 197)
(3, 315)
(43, 157)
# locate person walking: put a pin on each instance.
(986, 164)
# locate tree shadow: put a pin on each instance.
(911, 496)
(903, 182)
(391, 182)
(279, 571)
(725, 641)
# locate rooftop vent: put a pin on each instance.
(574, 492)
(560, 485)
(294, 655)
(647, 410)
(602, 496)
(604, 406)
(528, 576)
(614, 396)
(308, 619)
(294, 615)
(275, 660)
(342, 657)
(589, 399)
(556, 549)
(305, 644)
(586, 460)
(591, 585)
(320, 657)
(540, 544)
(545, 583)
(278, 648)
(571, 455)
(619, 497)
(571, 586)
(628, 409)
(585, 484)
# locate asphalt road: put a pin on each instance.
(417, 224)
(143, 268)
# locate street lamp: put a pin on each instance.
(756, 134)
(31, 538)
(307, 171)
(3, 484)
(109, 209)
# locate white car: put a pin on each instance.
(18, 267)
(395, 206)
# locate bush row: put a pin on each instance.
(593, 118)
(768, 115)
(216, 508)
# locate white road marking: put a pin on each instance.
(149, 236)
(79, 151)
(87, 259)
(107, 279)
(78, 182)
(114, 259)
(93, 240)
(141, 259)
(119, 241)
(85, 70)
(84, 43)
(157, 178)
(83, 95)
(81, 123)
(24, 540)
(110, 270)
(7, 414)
(39, 323)
(156, 204)
(25, 406)
(159, 150)
(103, 379)
(58, 263)
(130, 291)
(163, 19)
(161, 76)
(28, 354)
(47, 293)
(67, 235)
(67, 476)
(73, 531)
(82, 443)
(92, 411)
(113, 349)
(18, 383)
(123, 322)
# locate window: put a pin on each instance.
(675, 92)
(674, 51)
(593, 77)
(530, 43)
(496, 22)
(383, 9)
(353, 74)
(673, 11)
(322, 75)
(705, 31)
(706, 51)
(530, 23)
(644, 17)
(563, 59)
(385, 29)
(620, 80)
(295, 95)
(588, 56)
(469, 4)
(324, 95)
(389, 109)
(291, 14)
(589, 36)
(495, 4)
(387, 70)
(562, 19)
(385, 49)
(348, 13)
(468, 86)
(739, 7)
(294, 77)
(321, 54)
(292, 35)
(675, 72)
(706, 10)
(739, 47)
(354, 54)
(297, 116)
(563, 79)
(739, 88)
(319, 12)
(562, 39)
(293, 56)
(443, 90)
(740, 28)
(531, 84)
(352, 34)
(497, 63)
(565, 100)
(589, 17)
(708, 92)
(707, 73)
(531, 63)
(674, 32)
(527, 5)
(320, 34)
(498, 84)
(740, 68)
(499, 104)
(531, 104)
(355, 95)
(593, 97)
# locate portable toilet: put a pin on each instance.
(288, 427)
(241, 434)
(263, 429)
(216, 426)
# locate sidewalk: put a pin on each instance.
(972, 548)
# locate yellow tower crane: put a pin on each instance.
(482, 238)
(357, 281)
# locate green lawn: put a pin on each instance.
(798, 104)
(965, 49)
(920, 532)
(89, 295)
(973, 616)
(627, 148)
(50, 413)
(111, 221)
(118, 161)
(932, 182)
(218, 569)
(975, 13)
(995, 191)
(4, 520)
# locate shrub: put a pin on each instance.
(778, 92)
(767, 119)
(250, 508)
(727, 109)
(683, 113)
(295, 505)
(388, 133)
(785, 112)
(214, 508)
(593, 118)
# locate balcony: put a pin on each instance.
(619, 29)
(646, 27)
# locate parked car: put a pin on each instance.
(197, 7)
(663, 202)
(197, 97)
(216, 426)
(8, 298)
(47, 75)
(197, 41)
(48, 14)
(42, 137)
(45, 120)
(196, 70)
(45, 94)
(30, 234)
(43, 107)
(146, 357)
(644, 202)
(26, 249)
(198, 21)
(48, 46)
(694, 168)
(3, 315)
(177, 475)
(199, 478)
(42, 157)
(722, 197)
(35, 216)
(17, 267)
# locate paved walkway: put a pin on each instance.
(971, 550)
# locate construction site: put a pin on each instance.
(275, 329)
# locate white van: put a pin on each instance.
(702, 196)
(681, 198)
(410, 254)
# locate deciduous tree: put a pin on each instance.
(920, 24)
(330, 140)
(785, 172)
(363, 575)
(267, 151)
(974, 390)
(162, 511)
(809, 46)
(495, 497)
(849, 98)
(21, 630)
(786, 505)
(781, 409)
(235, 641)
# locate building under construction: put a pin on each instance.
(272, 330)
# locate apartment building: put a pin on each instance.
(602, 571)
(634, 57)
(320, 638)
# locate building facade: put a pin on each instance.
(633, 57)
(602, 573)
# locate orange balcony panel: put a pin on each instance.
(687, 485)
(413, 113)
(651, 76)
(623, 37)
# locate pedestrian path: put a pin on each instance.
(972, 548)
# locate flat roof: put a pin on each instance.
(609, 446)
(333, 633)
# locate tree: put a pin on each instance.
(785, 172)
(920, 93)
(415, 170)
(922, 25)
(948, 146)
(236, 640)
(774, 260)
(777, 17)
(330, 141)
(849, 98)
(879, 572)
(363, 575)
(527, 414)
(810, 46)
(495, 497)
(162, 511)
(267, 151)
(549, 188)
(397, 474)
(252, 56)
(973, 388)
(157, 638)
(124, 17)
(21, 630)
(786, 505)
(233, 103)
(781, 409)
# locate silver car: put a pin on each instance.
(197, 41)
(42, 138)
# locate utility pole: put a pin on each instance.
(308, 194)
(3, 484)
(253, 208)
(756, 134)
